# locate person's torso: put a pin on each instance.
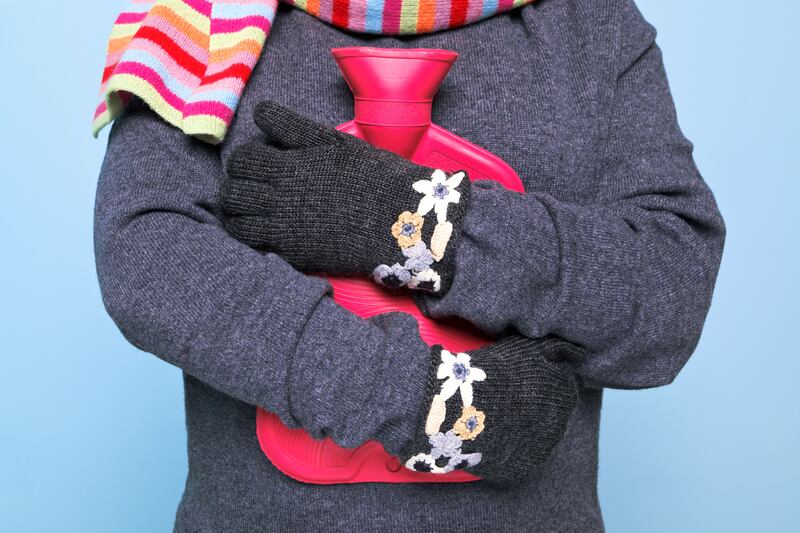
(527, 86)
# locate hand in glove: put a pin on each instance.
(497, 411)
(328, 202)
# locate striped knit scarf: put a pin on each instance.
(189, 60)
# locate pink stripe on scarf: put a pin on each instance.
(441, 19)
(130, 18)
(215, 109)
(326, 10)
(151, 77)
(358, 15)
(391, 16)
(474, 10)
(201, 6)
(234, 25)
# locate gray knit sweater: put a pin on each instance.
(615, 247)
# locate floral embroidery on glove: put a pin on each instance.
(446, 448)
(438, 192)
(445, 456)
(408, 229)
(419, 257)
(448, 445)
(424, 462)
(459, 374)
(441, 236)
(392, 276)
(470, 425)
(436, 415)
(427, 280)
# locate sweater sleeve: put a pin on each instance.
(629, 275)
(245, 323)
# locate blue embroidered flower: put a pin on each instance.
(391, 276)
(460, 371)
(419, 257)
(440, 191)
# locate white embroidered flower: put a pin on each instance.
(459, 374)
(424, 462)
(439, 191)
(427, 280)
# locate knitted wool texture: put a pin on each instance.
(190, 59)
(326, 201)
(524, 404)
(583, 113)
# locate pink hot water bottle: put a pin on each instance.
(393, 90)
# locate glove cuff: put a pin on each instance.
(426, 237)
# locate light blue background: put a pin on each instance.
(92, 432)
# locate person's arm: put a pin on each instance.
(245, 323)
(628, 275)
(254, 328)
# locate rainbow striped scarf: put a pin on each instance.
(189, 60)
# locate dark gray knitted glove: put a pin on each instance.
(328, 202)
(497, 411)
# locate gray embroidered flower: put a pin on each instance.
(426, 462)
(391, 276)
(448, 446)
(463, 460)
(419, 257)
(445, 445)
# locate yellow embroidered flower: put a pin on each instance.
(408, 229)
(470, 425)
